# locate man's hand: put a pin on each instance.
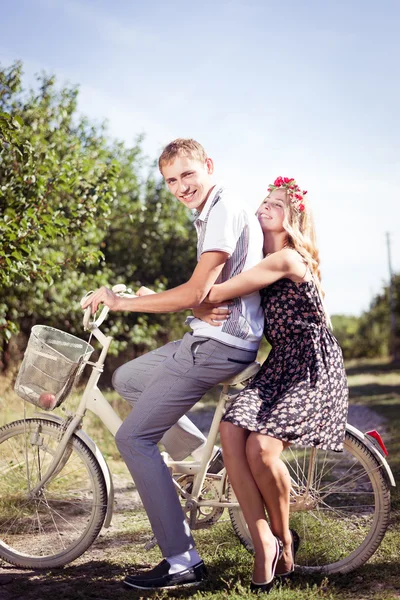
(101, 296)
(212, 314)
(189, 294)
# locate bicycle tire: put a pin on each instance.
(346, 517)
(61, 522)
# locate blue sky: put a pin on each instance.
(306, 89)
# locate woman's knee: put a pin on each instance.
(233, 438)
(262, 451)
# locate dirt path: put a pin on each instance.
(126, 499)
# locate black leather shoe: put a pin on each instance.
(295, 547)
(267, 586)
(159, 577)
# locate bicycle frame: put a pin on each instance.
(94, 401)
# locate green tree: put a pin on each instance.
(374, 335)
(369, 335)
(87, 226)
(345, 329)
(56, 180)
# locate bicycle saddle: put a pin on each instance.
(244, 375)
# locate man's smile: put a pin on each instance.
(188, 196)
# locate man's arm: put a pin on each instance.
(187, 295)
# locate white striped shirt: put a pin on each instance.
(227, 226)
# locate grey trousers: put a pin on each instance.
(131, 379)
(163, 387)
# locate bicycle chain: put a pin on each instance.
(203, 520)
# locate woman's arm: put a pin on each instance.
(284, 263)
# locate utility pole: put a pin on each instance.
(393, 344)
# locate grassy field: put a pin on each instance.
(97, 574)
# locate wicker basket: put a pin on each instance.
(52, 362)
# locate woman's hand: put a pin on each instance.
(212, 314)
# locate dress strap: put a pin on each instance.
(308, 270)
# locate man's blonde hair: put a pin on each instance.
(182, 147)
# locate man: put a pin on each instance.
(166, 383)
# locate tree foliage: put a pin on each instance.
(56, 180)
(61, 182)
(77, 212)
(369, 335)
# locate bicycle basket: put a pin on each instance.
(52, 362)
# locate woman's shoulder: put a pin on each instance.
(295, 264)
(289, 257)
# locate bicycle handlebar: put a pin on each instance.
(120, 290)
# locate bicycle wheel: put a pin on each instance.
(341, 513)
(58, 524)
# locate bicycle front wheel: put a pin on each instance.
(57, 524)
(339, 505)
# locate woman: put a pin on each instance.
(300, 393)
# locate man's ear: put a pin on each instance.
(210, 166)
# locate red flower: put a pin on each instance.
(305, 192)
(301, 207)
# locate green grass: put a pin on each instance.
(98, 573)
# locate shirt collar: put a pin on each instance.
(202, 216)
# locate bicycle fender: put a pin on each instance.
(381, 459)
(91, 444)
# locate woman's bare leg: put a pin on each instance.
(249, 497)
(273, 480)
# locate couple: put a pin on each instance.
(299, 394)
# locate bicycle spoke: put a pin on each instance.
(341, 513)
(58, 515)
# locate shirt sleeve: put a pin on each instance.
(224, 227)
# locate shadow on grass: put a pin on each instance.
(374, 389)
(372, 369)
(101, 580)
(95, 579)
(366, 579)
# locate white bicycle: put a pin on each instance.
(56, 491)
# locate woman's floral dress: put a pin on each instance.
(300, 393)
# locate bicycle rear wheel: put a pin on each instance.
(56, 525)
(341, 513)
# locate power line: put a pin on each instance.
(391, 301)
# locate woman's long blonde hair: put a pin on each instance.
(299, 225)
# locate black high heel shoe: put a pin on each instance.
(295, 547)
(267, 585)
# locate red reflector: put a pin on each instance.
(378, 438)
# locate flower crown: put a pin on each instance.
(295, 194)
